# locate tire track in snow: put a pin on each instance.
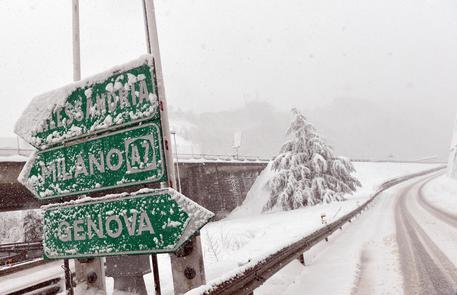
(449, 218)
(363, 281)
(425, 268)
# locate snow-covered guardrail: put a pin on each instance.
(250, 276)
(21, 246)
(16, 267)
(50, 287)
(16, 262)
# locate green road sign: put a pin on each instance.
(123, 158)
(121, 96)
(153, 221)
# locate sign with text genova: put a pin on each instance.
(122, 158)
(119, 97)
(149, 222)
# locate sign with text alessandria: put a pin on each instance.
(122, 158)
(148, 222)
(119, 97)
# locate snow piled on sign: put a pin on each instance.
(197, 217)
(42, 106)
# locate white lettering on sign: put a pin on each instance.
(109, 102)
(138, 157)
(138, 150)
(113, 226)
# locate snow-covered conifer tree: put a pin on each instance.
(306, 172)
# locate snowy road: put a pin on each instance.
(401, 245)
(426, 239)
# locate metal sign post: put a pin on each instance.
(187, 264)
(92, 272)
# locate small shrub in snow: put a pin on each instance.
(306, 170)
(33, 226)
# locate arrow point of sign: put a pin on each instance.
(24, 176)
(175, 219)
(198, 216)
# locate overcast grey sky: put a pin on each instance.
(219, 54)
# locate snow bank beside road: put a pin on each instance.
(248, 235)
(370, 174)
(441, 193)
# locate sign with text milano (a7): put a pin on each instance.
(122, 158)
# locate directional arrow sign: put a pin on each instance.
(153, 221)
(121, 96)
(123, 158)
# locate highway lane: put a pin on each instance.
(427, 264)
(400, 245)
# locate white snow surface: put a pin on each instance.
(370, 174)
(242, 239)
(19, 280)
(351, 258)
(14, 158)
(247, 236)
(41, 107)
(441, 193)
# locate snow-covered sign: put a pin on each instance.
(119, 97)
(145, 222)
(122, 158)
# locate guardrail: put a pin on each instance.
(22, 266)
(252, 275)
(50, 287)
(12, 247)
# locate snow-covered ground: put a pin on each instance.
(441, 192)
(248, 235)
(370, 174)
(13, 282)
(377, 254)
(346, 260)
